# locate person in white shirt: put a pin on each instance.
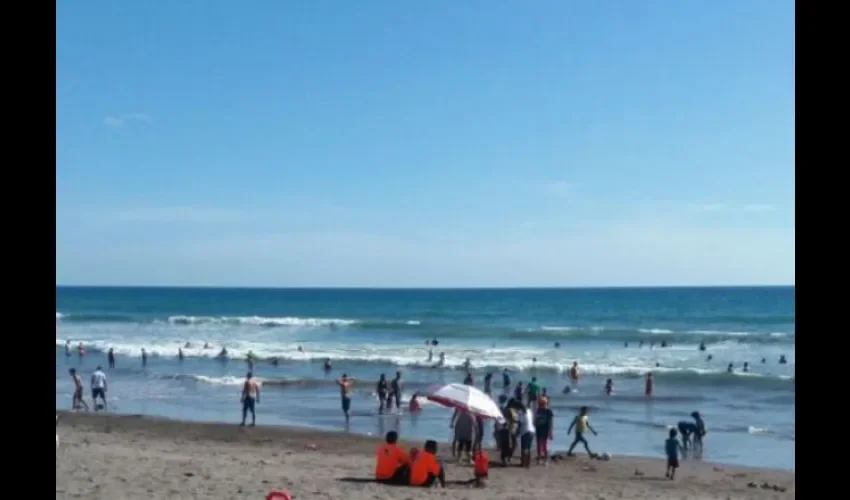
(98, 387)
(526, 434)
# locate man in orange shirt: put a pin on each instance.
(426, 470)
(392, 465)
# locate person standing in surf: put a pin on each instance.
(649, 385)
(396, 388)
(144, 358)
(250, 399)
(345, 384)
(575, 374)
(98, 387)
(78, 391)
(382, 390)
(110, 358)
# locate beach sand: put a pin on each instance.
(115, 457)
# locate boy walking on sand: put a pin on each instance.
(672, 447)
(581, 425)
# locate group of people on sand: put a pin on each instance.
(415, 468)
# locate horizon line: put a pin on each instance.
(411, 288)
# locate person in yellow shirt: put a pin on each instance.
(426, 470)
(581, 425)
(392, 465)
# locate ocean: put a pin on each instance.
(612, 333)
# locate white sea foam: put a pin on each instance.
(259, 321)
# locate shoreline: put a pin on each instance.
(108, 455)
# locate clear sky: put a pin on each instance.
(430, 143)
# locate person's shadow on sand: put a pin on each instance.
(362, 480)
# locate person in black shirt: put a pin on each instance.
(382, 390)
(544, 422)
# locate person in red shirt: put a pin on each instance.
(426, 470)
(392, 464)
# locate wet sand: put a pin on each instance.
(104, 456)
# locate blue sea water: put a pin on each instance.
(750, 416)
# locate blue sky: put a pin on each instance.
(442, 143)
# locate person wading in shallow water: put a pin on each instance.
(345, 384)
(250, 399)
(78, 391)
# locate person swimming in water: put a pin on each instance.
(222, 355)
(746, 367)
(730, 368)
(180, 355)
(702, 346)
(327, 366)
(782, 360)
(442, 360)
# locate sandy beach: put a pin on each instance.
(113, 457)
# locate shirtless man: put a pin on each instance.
(345, 384)
(78, 391)
(250, 398)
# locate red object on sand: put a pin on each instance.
(481, 463)
(278, 494)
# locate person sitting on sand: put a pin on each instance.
(392, 464)
(345, 384)
(672, 447)
(78, 391)
(582, 425)
(426, 470)
(250, 398)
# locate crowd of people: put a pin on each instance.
(527, 424)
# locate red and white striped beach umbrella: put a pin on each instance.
(465, 397)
